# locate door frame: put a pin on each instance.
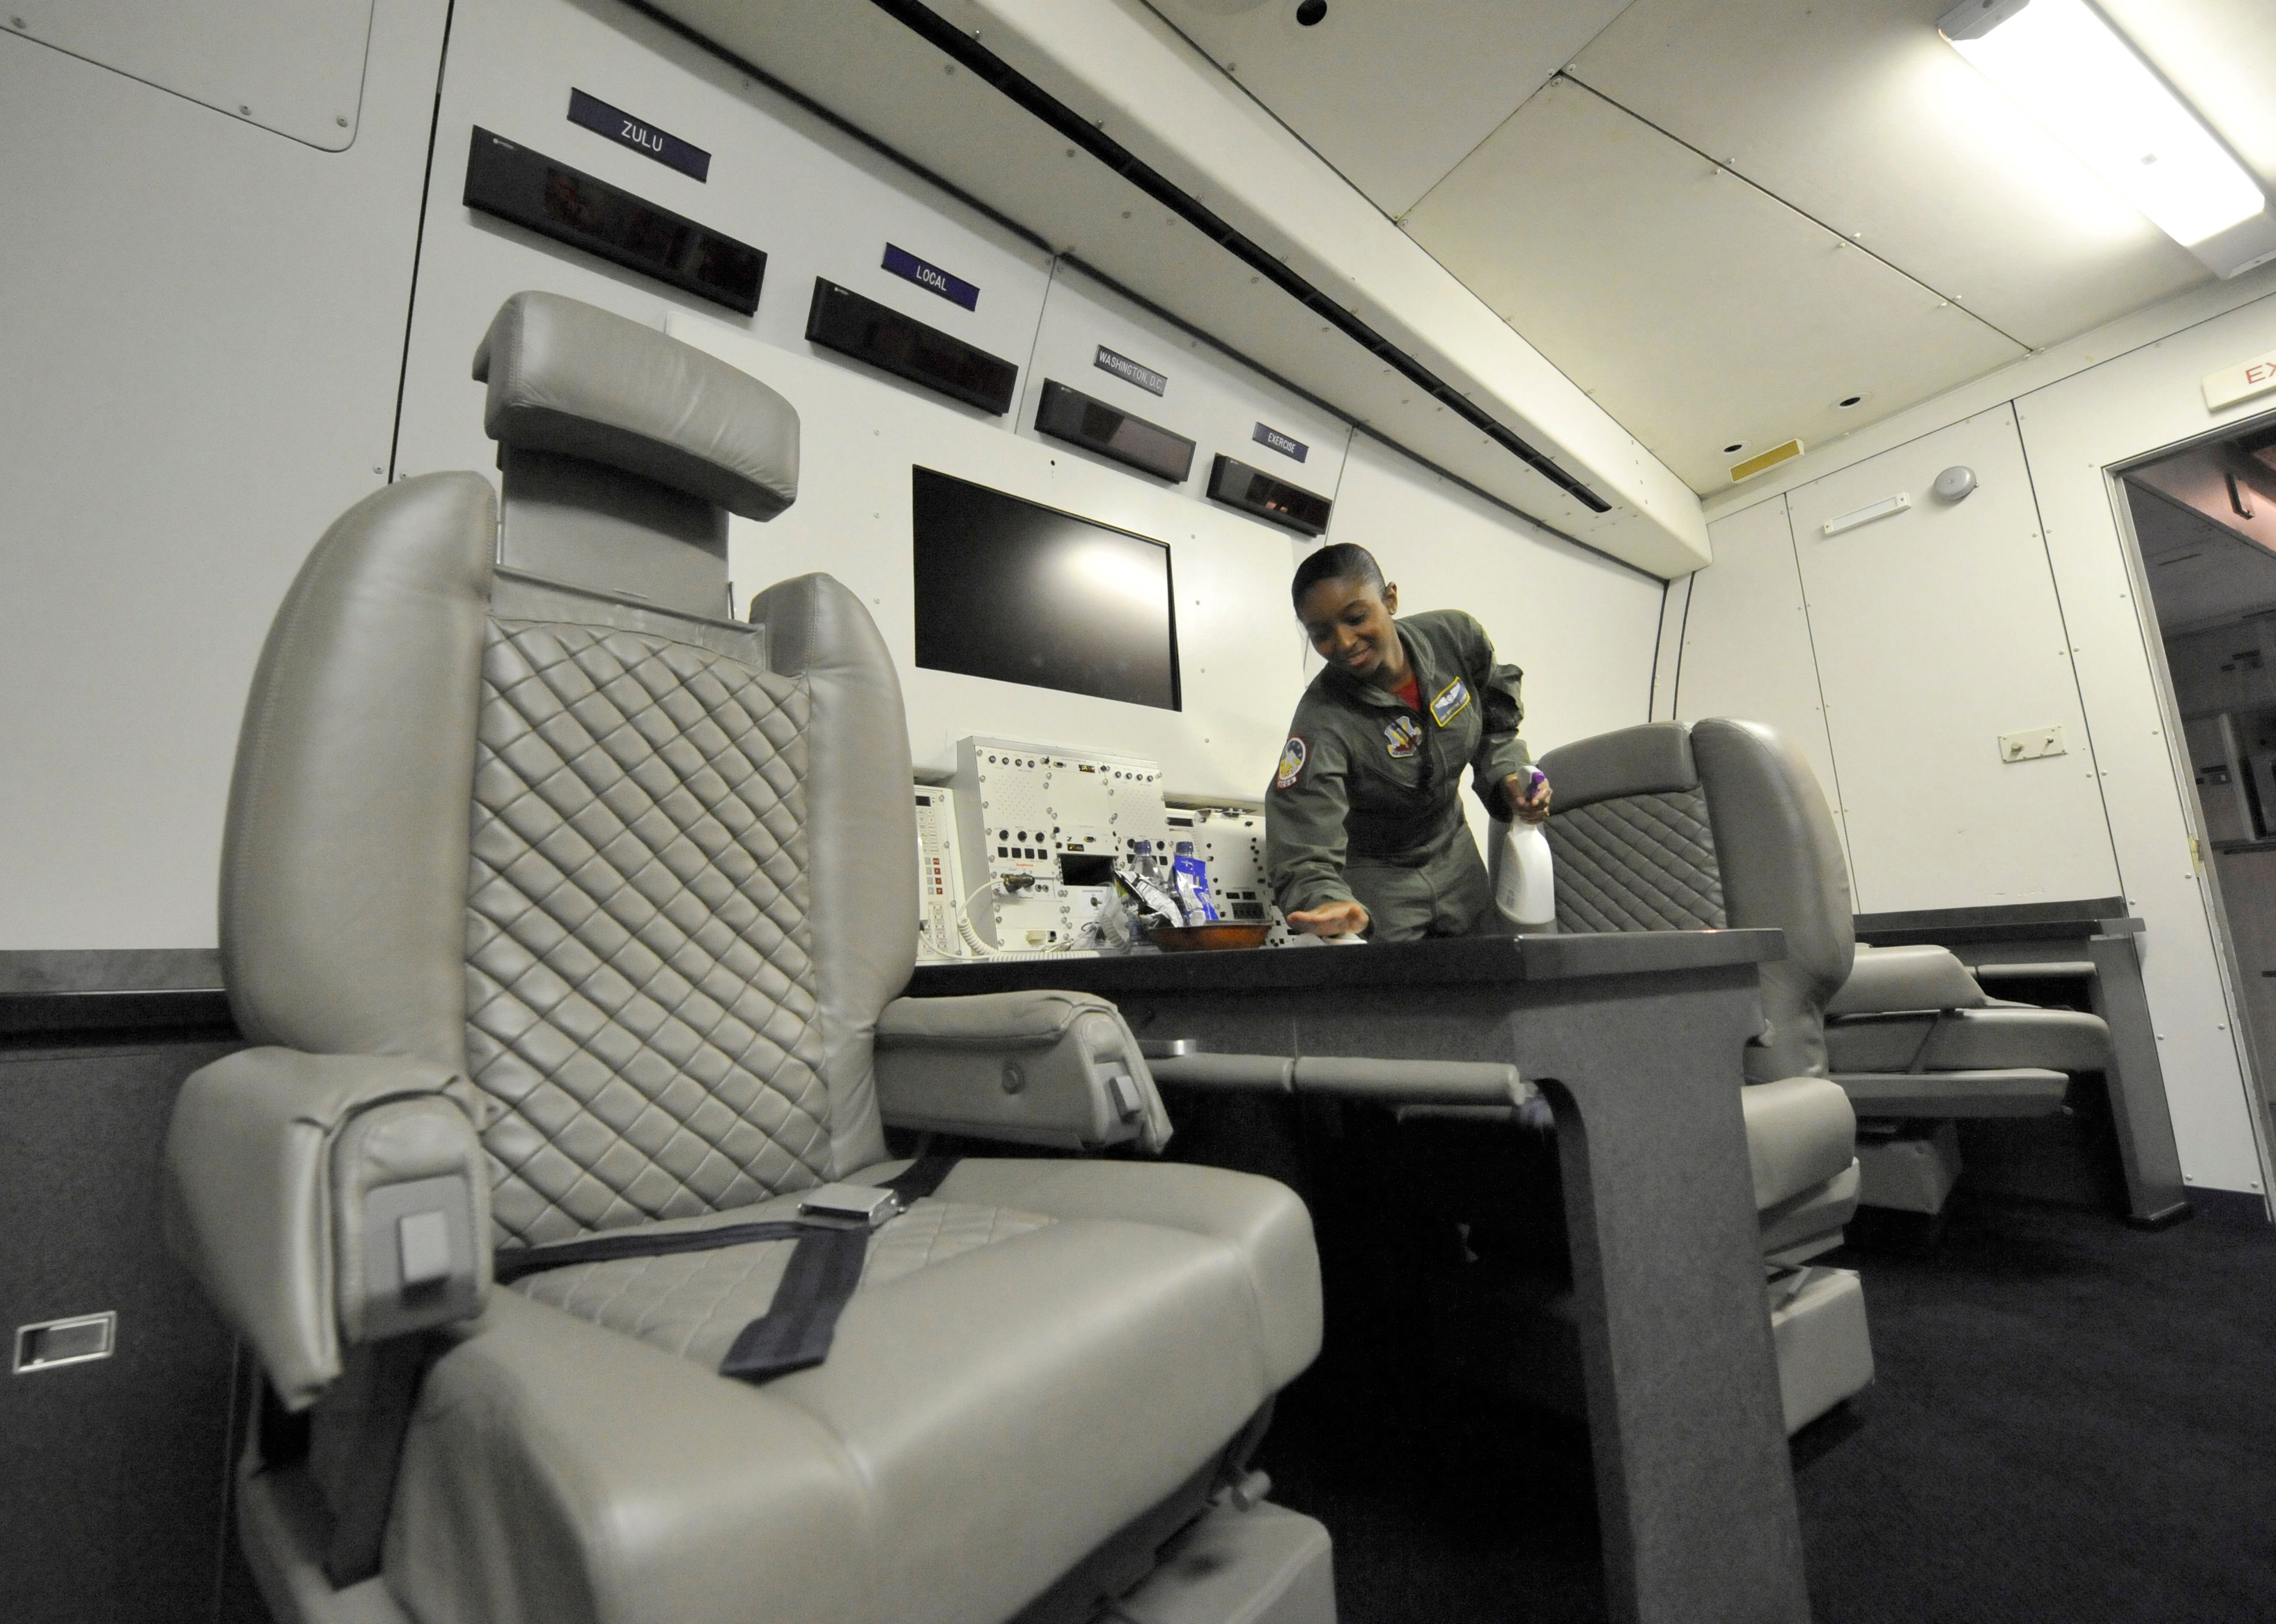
(2241, 1037)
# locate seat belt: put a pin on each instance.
(793, 1334)
(820, 1278)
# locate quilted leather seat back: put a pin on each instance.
(1633, 848)
(639, 874)
(1676, 826)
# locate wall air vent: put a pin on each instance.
(844, 321)
(1768, 460)
(569, 206)
(1074, 417)
(1253, 491)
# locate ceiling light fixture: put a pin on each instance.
(2063, 63)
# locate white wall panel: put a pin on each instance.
(1745, 644)
(816, 200)
(1937, 630)
(853, 521)
(203, 335)
(2075, 430)
(1208, 399)
(1583, 628)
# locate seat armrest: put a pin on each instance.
(1895, 980)
(1043, 1067)
(327, 1200)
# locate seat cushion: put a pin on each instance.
(1800, 1132)
(2005, 1035)
(1102, 1328)
(1914, 976)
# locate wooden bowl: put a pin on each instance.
(1210, 938)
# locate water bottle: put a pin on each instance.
(1525, 886)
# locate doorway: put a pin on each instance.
(2204, 517)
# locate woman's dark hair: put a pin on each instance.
(1338, 561)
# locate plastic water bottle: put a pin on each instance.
(1525, 887)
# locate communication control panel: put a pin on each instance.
(940, 877)
(1039, 828)
(1230, 839)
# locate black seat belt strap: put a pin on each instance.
(795, 1332)
(516, 1266)
(921, 1178)
(824, 1271)
(390, 1391)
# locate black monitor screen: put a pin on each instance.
(1026, 594)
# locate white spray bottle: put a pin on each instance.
(1525, 884)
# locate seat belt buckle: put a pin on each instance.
(853, 1206)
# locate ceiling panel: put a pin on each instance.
(1392, 92)
(854, 58)
(2200, 573)
(1857, 113)
(1697, 309)
(2221, 55)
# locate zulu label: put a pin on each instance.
(626, 131)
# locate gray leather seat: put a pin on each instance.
(1717, 823)
(1919, 1046)
(559, 904)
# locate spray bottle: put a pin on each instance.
(1525, 886)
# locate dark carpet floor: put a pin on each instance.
(2073, 1422)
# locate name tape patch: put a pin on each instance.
(1130, 372)
(643, 136)
(930, 277)
(1292, 763)
(1451, 702)
(1288, 445)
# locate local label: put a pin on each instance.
(931, 278)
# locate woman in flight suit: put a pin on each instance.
(1364, 824)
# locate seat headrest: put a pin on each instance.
(567, 378)
(1654, 759)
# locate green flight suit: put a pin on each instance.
(1366, 805)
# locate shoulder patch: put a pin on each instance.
(1292, 762)
(1451, 702)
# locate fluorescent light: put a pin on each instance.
(2066, 67)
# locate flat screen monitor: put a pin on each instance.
(1024, 593)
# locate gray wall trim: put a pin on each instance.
(111, 969)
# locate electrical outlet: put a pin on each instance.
(2031, 744)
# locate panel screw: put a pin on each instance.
(243, 112)
(1014, 1078)
(15, 22)
(341, 120)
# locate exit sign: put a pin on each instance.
(2242, 382)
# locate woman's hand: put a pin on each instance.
(1530, 806)
(1329, 919)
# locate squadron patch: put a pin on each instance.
(1292, 763)
(1403, 735)
(1453, 700)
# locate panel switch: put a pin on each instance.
(423, 1241)
(2031, 744)
(66, 1342)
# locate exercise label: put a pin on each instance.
(1287, 445)
(643, 136)
(1130, 372)
(931, 278)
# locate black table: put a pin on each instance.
(1636, 1040)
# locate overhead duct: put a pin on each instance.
(1092, 126)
